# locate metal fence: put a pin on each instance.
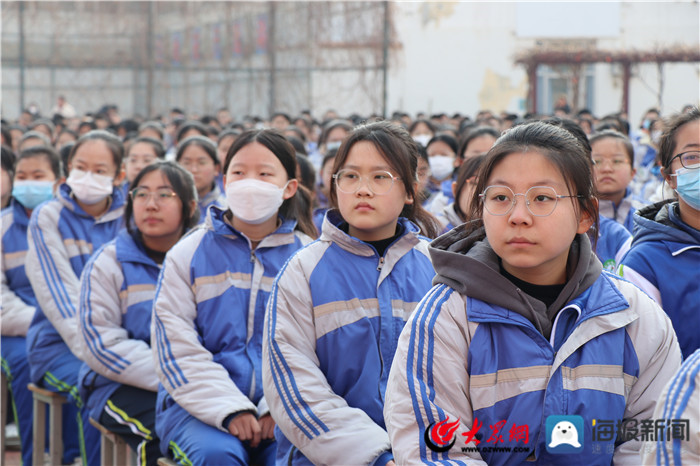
(147, 57)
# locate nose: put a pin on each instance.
(520, 214)
(363, 189)
(151, 201)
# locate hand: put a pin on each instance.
(267, 425)
(246, 427)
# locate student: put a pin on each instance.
(678, 403)
(141, 152)
(323, 190)
(477, 141)
(118, 381)
(338, 306)
(456, 212)
(613, 158)
(422, 131)
(198, 155)
(665, 253)
(207, 326)
(522, 323)
(8, 173)
(443, 161)
(36, 179)
(62, 235)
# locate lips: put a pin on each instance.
(363, 206)
(151, 220)
(518, 241)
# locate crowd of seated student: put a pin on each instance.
(87, 201)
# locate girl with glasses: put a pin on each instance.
(523, 326)
(208, 312)
(197, 154)
(665, 253)
(117, 381)
(338, 306)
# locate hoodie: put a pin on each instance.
(465, 261)
(663, 261)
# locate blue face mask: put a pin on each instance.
(688, 186)
(32, 193)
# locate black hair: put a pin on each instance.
(612, 134)
(8, 160)
(200, 141)
(469, 169)
(34, 135)
(49, 153)
(297, 207)
(67, 131)
(297, 131)
(129, 125)
(43, 122)
(282, 114)
(427, 123)
(6, 135)
(90, 124)
(473, 133)
(182, 183)
(667, 144)
(190, 125)
(560, 147)
(158, 147)
(64, 152)
(153, 125)
(447, 139)
(400, 151)
(330, 126)
(112, 142)
(298, 144)
(307, 171)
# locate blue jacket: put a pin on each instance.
(18, 301)
(116, 299)
(472, 356)
(207, 325)
(663, 261)
(613, 242)
(333, 321)
(623, 212)
(62, 238)
(215, 197)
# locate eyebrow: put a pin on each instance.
(259, 165)
(691, 145)
(376, 167)
(536, 183)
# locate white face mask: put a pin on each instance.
(422, 139)
(441, 166)
(89, 188)
(254, 201)
(333, 145)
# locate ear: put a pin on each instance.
(409, 198)
(119, 178)
(670, 180)
(193, 205)
(586, 221)
(454, 189)
(291, 189)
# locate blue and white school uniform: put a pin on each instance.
(116, 300)
(215, 197)
(613, 243)
(663, 261)
(332, 325)
(206, 336)
(61, 239)
(17, 307)
(622, 213)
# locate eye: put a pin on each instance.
(381, 176)
(500, 198)
(543, 198)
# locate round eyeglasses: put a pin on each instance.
(690, 159)
(540, 200)
(349, 181)
(143, 195)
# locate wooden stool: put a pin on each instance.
(55, 401)
(3, 414)
(114, 451)
(163, 461)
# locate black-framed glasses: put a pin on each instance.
(349, 181)
(142, 195)
(540, 200)
(690, 159)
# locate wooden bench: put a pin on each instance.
(114, 451)
(163, 461)
(42, 398)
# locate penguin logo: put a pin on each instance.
(441, 436)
